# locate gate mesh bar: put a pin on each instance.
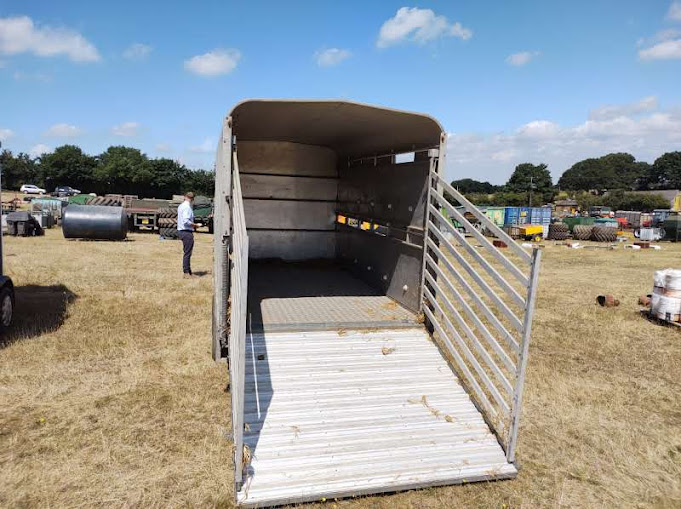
(480, 301)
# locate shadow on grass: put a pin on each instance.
(38, 310)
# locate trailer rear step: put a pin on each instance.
(335, 413)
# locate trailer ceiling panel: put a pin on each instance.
(351, 129)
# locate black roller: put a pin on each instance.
(93, 222)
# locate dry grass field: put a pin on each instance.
(108, 395)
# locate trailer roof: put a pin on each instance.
(349, 128)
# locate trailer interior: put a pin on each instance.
(346, 368)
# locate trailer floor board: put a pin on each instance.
(295, 296)
(331, 414)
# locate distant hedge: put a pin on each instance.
(118, 170)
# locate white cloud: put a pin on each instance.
(665, 44)
(609, 112)
(128, 129)
(32, 76)
(6, 134)
(39, 149)
(521, 58)
(666, 50)
(214, 63)
(420, 26)
(636, 128)
(20, 35)
(538, 129)
(665, 35)
(209, 145)
(332, 56)
(63, 131)
(674, 12)
(137, 51)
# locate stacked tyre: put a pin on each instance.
(604, 234)
(167, 213)
(558, 231)
(104, 201)
(167, 223)
(582, 231)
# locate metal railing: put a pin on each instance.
(480, 302)
(237, 321)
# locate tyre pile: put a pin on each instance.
(598, 233)
(558, 231)
(167, 222)
(105, 201)
(582, 231)
(604, 234)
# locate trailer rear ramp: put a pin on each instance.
(343, 413)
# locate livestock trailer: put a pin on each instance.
(372, 346)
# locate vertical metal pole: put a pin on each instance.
(437, 161)
(431, 168)
(517, 402)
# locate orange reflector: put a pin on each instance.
(340, 219)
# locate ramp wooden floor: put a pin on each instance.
(341, 413)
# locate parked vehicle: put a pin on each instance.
(203, 215)
(7, 301)
(31, 189)
(600, 211)
(62, 191)
(532, 232)
(659, 216)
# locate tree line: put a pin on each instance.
(117, 170)
(586, 180)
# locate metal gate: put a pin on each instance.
(237, 321)
(479, 301)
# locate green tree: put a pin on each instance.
(666, 171)
(123, 170)
(18, 170)
(621, 200)
(67, 166)
(201, 182)
(531, 177)
(467, 186)
(612, 171)
(169, 177)
(507, 199)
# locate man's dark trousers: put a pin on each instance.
(188, 245)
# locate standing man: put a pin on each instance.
(185, 230)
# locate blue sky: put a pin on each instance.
(511, 82)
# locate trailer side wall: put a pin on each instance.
(393, 195)
(290, 192)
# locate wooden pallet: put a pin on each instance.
(648, 316)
